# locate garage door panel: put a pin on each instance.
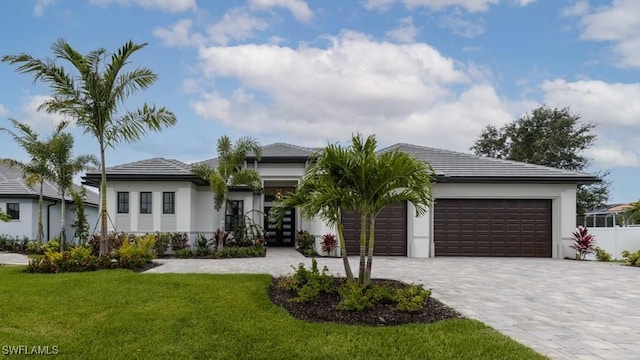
(390, 231)
(492, 227)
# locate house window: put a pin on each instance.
(145, 203)
(123, 202)
(233, 214)
(168, 203)
(13, 210)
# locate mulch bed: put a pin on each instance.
(323, 309)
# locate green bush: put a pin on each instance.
(602, 255)
(631, 258)
(308, 283)
(136, 254)
(353, 297)
(411, 298)
(184, 253)
(305, 242)
(51, 245)
(179, 241)
(162, 243)
(240, 252)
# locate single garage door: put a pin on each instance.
(390, 231)
(492, 227)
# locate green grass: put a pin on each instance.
(118, 314)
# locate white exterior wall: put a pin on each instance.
(26, 225)
(563, 210)
(616, 239)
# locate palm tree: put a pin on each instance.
(37, 169)
(64, 167)
(632, 214)
(92, 96)
(229, 171)
(323, 192)
(358, 178)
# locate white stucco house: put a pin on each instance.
(20, 201)
(484, 206)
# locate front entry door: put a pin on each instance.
(284, 235)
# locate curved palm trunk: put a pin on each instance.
(103, 205)
(40, 235)
(343, 252)
(363, 249)
(63, 235)
(372, 225)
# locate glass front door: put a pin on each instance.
(284, 235)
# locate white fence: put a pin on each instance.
(616, 239)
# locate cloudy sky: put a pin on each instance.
(429, 72)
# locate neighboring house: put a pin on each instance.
(484, 206)
(20, 201)
(608, 216)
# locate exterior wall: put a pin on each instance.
(616, 239)
(181, 221)
(279, 171)
(27, 225)
(563, 210)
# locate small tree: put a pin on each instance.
(80, 225)
(583, 243)
(632, 214)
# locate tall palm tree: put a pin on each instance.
(64, 167)
(323, 192)
(37, 169)
(229, 171)
(92, 96)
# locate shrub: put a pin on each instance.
(202, 245)
(305, 242)
(631, 258)
(184, 253)
(353, 297)
(240, 252)
(329, 243)
(583, 243)
(162, 243)
(602, 255)
(137, 253)
(411, 298)
(308, 283)
(179, 241)
(114, 241)
(51, 245)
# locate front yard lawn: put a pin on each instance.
(119, 314)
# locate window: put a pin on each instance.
(233, 214)
(168, 203)
(123, 202)
(13, 210)
(145, 203)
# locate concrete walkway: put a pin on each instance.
(7, 258)
(563, 309)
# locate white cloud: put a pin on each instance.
(298, 8)
(460, 26)
(40, 5)
(618, 24)
(179, 34)
(612, 106)
(437, 5)
(3, 110)
(173, 6)
(310, 94)
(406, 32)
(39, 120)
(236, 24)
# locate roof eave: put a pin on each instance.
(519, 179)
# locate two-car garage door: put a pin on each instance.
(466, 227)
(492, 227)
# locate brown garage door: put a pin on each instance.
(482, 227)
(390, 231)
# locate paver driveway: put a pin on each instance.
(563, 309)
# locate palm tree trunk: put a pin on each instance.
(63, 236)
(363, 248)
(372, 225)
(343, 252)
(40, 235)
(103, 204)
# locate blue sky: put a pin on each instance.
(429, 72)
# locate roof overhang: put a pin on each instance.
(578, 180)
(94, 179)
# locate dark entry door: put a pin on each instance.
(284, 235)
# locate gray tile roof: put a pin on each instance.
(153, 166)
(451, 164)
(286, 150)
(12, 183)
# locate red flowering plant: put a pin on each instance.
(583, 243)
(329, 243)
